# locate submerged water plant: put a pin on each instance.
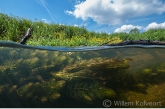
(89, 92)
(41, 91)
(39, 78)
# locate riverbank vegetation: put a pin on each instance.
(14, 28)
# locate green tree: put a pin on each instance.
(134, 31)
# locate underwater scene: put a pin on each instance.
(112, 77)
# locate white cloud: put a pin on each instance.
(61, 24)
(116, 11)
(75, 25)
(68, 12)
(155, 25)
(46, 21)
(126, 28)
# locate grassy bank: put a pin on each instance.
(14, 28)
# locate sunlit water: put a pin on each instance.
(104, 76)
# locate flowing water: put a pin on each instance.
(104, 76)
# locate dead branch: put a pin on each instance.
(26, 37)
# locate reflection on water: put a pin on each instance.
(40, 78)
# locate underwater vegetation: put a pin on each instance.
(43, 92)
(86, 79)
(38, 78)
(89, 93)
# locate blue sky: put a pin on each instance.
(95, 15)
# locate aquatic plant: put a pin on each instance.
(89, 92)
(87, 80)
(98, 64)
(43, 92)
(151, 73)
(45, 77)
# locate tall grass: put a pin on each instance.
(14, 28)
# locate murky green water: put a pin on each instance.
(114, 77)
